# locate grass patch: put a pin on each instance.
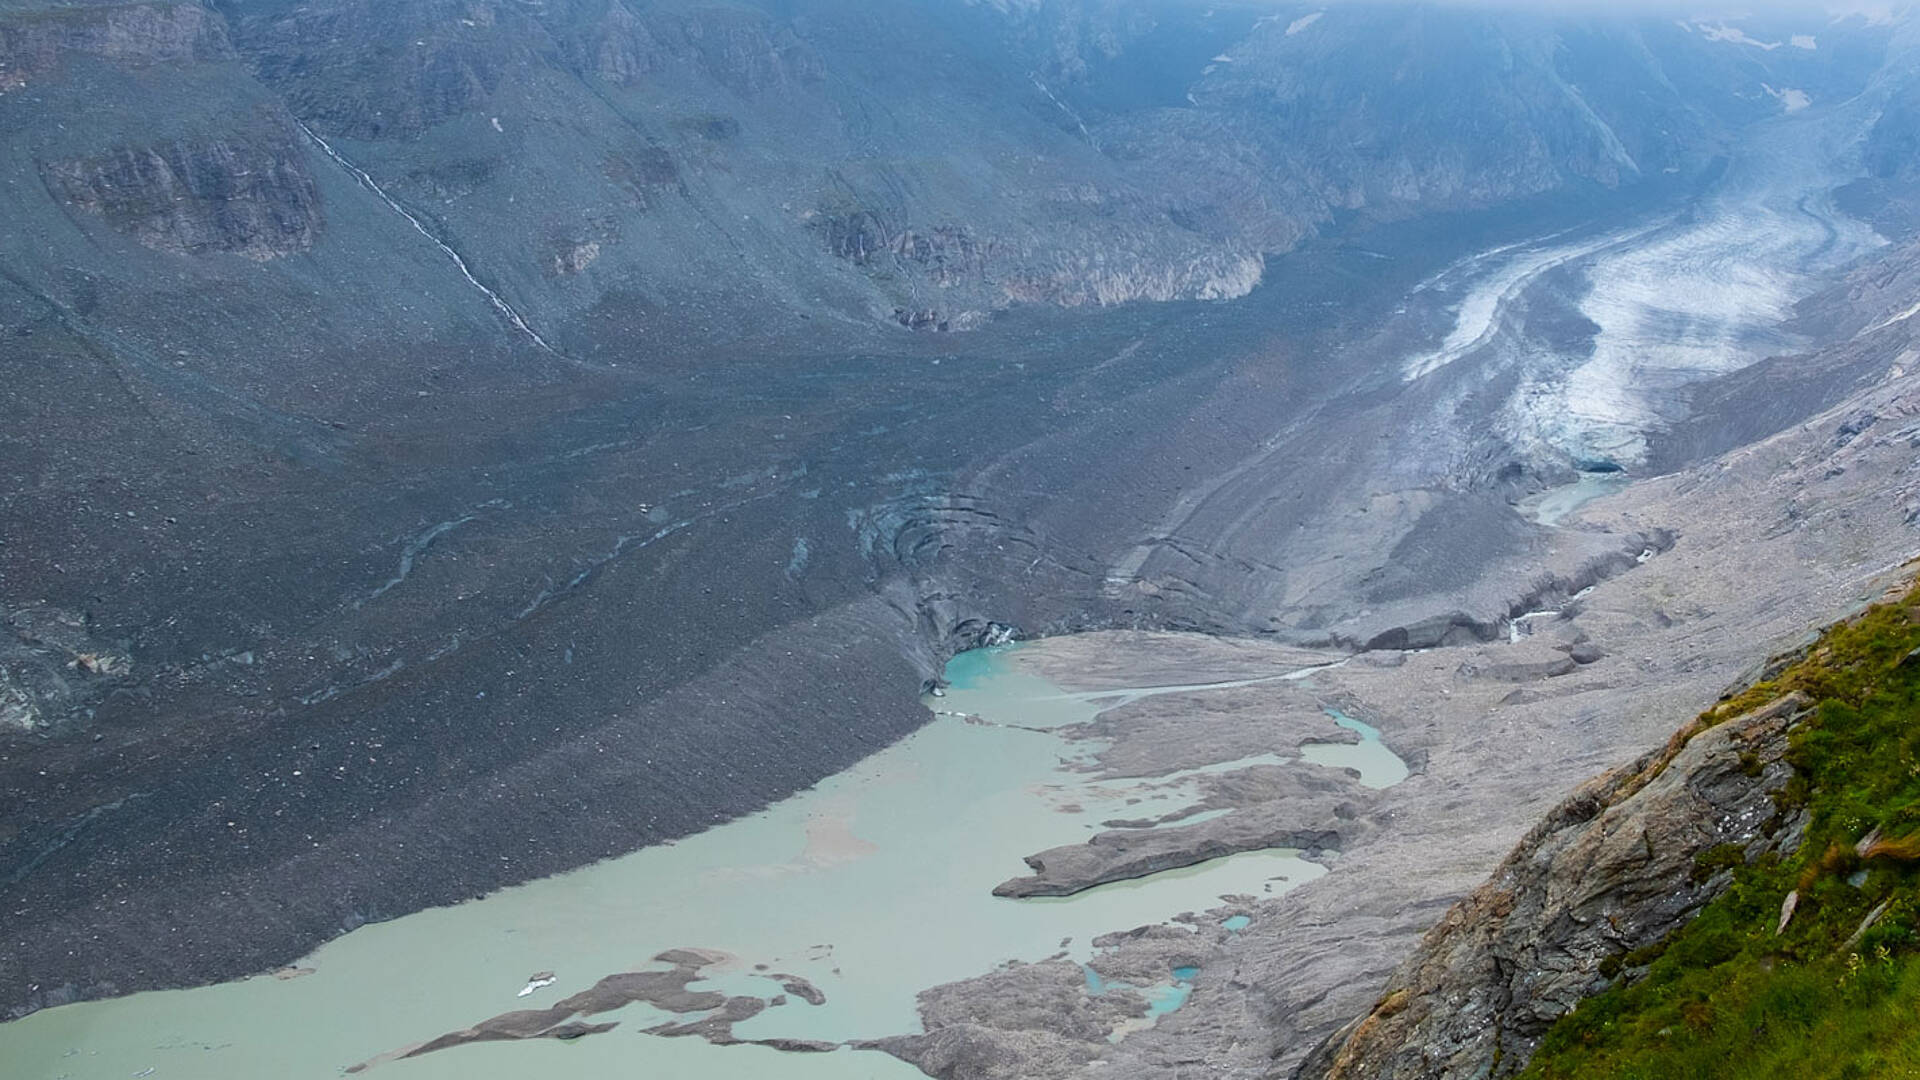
(1726, 997)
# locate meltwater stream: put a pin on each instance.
(872, 886)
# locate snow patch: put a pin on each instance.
(1732, 35)
(1790, 99)
(1303, 22)
(1803, 41)
(1890, 320)
(1871, 12)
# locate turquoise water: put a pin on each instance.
(1166, 997)
(1162, 998)
(1378, 766)
(1236, 923)
(1555, 505)
(874, 885)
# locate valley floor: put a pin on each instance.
(1418, 642)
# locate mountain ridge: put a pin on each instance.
(296, 485)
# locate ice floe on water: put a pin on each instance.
(538, 981)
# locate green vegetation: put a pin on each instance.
(1838, 994)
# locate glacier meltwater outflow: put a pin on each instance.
(872, 886)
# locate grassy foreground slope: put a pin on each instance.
(1836, 993)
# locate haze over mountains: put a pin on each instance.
(455, 440)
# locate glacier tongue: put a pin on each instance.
(1704, 296)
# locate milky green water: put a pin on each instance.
(1378, 766)
(1553, 506)
(875, 884)
(1162, 998)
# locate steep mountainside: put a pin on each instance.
(1702, 574)
(1735, 904)
(458, 439)
(613, 169)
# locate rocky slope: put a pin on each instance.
(1614, 869)
(457, 441)
(1782, 534)
(930, 162)
(1731, 905)
(252, 198)
(1570, 903)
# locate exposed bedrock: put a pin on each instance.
(930, 162)
(132, 34)
(254, 199)
(1613, 869)
(1785, 534)
(382, 595)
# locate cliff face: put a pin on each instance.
(1617, 867)
(249, 198)
(934, 161)
(33, 45)
(925, 163)
(508, 383)
(238, 186)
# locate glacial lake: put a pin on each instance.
(1553, 506)
(873, 885)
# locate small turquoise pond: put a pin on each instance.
(1378, 766)
(1162, 998)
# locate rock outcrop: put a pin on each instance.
(123, 34)
(248, 197)
(703, 556)
(1615, 868)
(54, 667)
